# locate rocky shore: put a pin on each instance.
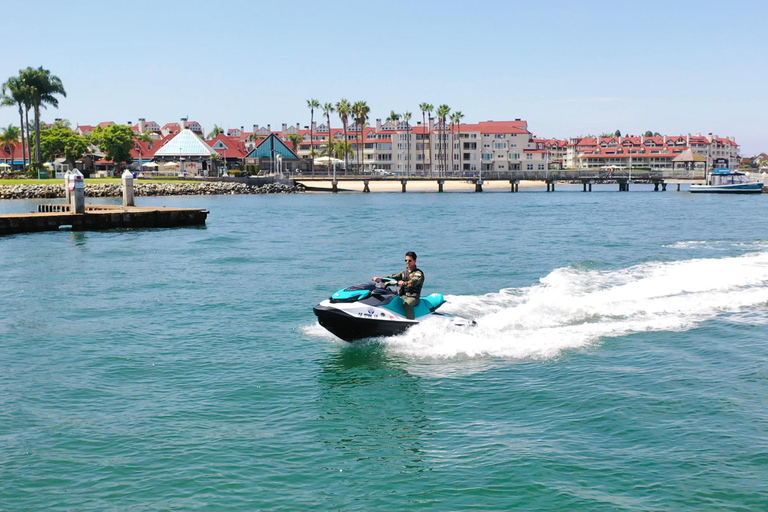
(146, 189)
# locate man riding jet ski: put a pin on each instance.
(373, 309)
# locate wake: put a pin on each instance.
(572, 308)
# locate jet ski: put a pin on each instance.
(375, 309)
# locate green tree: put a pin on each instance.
(344, 109)
(43, 88)
(393, 116)
(327, 111)
(116, 141)
(456, 123)
(360, 111)
(342, 149)
(215, 132)
(61, 142)
(10, 138)
(407, 119)
(14, 93)
(617, 133)
(442, 114)
(425, 108)
(295, 139)
(312, 104)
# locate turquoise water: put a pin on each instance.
(620, 360)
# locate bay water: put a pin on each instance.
(620, 358)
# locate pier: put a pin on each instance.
(586, 177)
(78, 216)
(52, 217)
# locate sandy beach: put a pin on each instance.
(393, 185)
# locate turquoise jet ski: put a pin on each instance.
(375, 309)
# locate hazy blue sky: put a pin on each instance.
(568, 68)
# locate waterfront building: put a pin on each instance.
(656, 153)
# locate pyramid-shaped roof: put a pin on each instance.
(689, 156)
(186, 143)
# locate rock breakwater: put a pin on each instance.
(39, 191)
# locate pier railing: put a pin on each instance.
(574, 175)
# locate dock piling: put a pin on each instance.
(128, 199)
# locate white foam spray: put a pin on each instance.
(573, 308)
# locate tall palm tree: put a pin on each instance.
(14, 93)
(407, 119)
(456, 118)
(426, 108)
(393, 116)
(442, 114)
(344, 109)
(312, 104)
(327, 111)
(360, 111)
(43, 88)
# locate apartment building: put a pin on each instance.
(655, 152)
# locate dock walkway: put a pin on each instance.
(51, 217)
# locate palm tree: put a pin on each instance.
(442, 115)
(407, 119)
(14, 93)
(426, 108)
(343, 108)
(456, 118)
(341, 150)
(215, 132)
(295, 139)
(312, 104)
(9, 138)
(393, 116)
(43, 88)
(360, 111)
(327, 111)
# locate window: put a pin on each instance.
(487, 156)
(529, 167)
(500, 145)
(529, 156)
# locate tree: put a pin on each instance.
(342, 149)
(344, 109)
(14, 93)
(617, 133)
(327, 111)
(116, 141)
(456, 117)
(442, 115)
(393, 116)
(43, 88)
(60, 142)
(360, 111)
(312, 105)
(295, 139)
(407, 119)
(9, 138)
(215, 132)
(425, 108)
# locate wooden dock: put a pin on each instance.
(52, 217)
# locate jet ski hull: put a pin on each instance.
(351, 328)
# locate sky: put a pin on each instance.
(569, 68)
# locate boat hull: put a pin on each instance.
(351, 328)
(742, 188)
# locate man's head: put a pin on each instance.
(410, 260)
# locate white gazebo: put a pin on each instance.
(188, 151)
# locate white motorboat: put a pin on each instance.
(726, 181)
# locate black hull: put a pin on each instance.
(351, 328)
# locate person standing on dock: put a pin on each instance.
(410, 282)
